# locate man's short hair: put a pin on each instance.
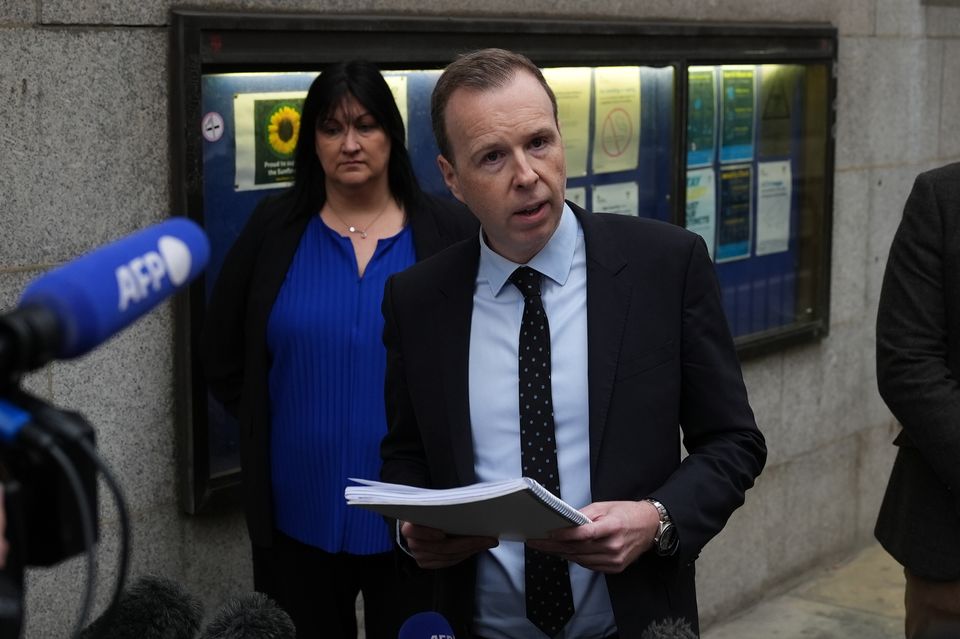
(479, 71)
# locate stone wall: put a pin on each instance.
(85, 159)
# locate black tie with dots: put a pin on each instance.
(549, 598)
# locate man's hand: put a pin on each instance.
(620, 532)
(434, 548)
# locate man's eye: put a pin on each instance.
(493, 156)
(538, 143)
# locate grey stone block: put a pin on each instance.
(803, 519)
(895, 17)
(791, 522)
(888, 102)
(822, 387)
(209, 558)
(12, 283)
(763, 378)
(943, 20)
(848, 268)
(889, 189)
(843, 384)
(223, 569)
(950, 106)
(732, 570)
(87, 161)
(853, 17)
(124, 389)
(15, 12)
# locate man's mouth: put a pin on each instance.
(531, 210)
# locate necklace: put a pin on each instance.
(355, 229)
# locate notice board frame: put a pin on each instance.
(205, 42)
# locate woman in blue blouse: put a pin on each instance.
(293, 348)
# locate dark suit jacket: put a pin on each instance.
(236, 359)
(660, 354)
(918, 372)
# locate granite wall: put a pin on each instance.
(84, 158)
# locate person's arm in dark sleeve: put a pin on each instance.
(224, 335)
(913, 373)
(726, 450)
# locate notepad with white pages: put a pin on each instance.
(512, 509)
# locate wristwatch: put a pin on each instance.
(665, 541)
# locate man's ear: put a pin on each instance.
(449, 176)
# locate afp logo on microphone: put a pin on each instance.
(145, 273)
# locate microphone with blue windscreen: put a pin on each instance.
(72, 309)
(426, 625)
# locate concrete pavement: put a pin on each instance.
(858, 598)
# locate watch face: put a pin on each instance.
(668, 540)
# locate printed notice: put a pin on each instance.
(701, 115)
(623, 198)
(738, 110)
(777, 86)
(616, 140)
(774, 188)
(267, 126)
(702, 206)
(571, 85)
(733, 223)
(578, 195)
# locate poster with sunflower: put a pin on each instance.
(267, 127)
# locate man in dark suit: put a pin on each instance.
(918, 372)
(589, 402)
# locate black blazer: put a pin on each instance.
(236, 359)
(918, 373)
(659, 354)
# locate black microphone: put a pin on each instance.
(426, 625)
(151, 608)
(669, 629)
(253, 616)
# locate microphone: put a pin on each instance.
(253, 616)
(426, 625)
(152, 608)
(669, 629)
(70, 310)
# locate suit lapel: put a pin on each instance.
(453, 329)
(608, 300)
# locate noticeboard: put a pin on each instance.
(726, 129)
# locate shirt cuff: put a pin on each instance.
(402, 542)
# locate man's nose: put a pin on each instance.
(525, 175)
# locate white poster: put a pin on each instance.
(774, 190)
(702, 206)
(623, 198)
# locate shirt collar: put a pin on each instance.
(554, 260)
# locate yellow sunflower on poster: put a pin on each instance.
(283, 129)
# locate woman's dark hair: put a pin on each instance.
(364, 82)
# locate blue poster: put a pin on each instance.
(733, 219)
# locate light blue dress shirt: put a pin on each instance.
(495, 418)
